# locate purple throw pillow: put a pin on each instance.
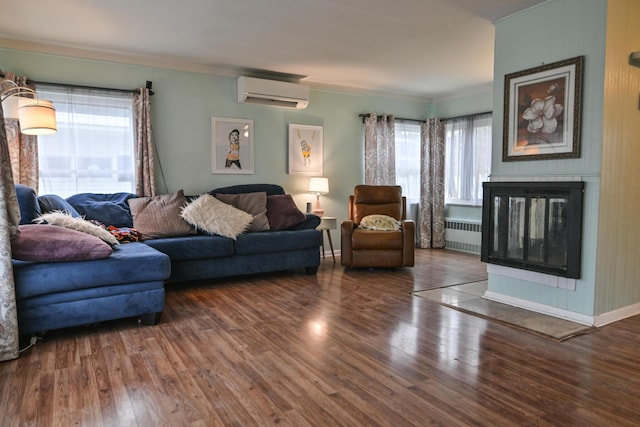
(282, 212)
(52, 243)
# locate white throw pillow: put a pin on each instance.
(380, 222)
(215, 217)
(65, 220)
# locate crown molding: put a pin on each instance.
(182, 65)
(110, 56)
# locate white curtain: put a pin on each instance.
(408, 142)
(379, 150)
(432, 160)
(468, 141)
(93, 148)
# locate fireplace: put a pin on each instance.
(533, 226)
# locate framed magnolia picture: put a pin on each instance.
(232, 145)
(542, 112)
(305, 150)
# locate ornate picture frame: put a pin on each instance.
(231, 146)
(305, 150)
(542, 112)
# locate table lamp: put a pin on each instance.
(318, 186)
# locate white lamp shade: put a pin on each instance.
(10, 107)
(37, 117)
(319, 185)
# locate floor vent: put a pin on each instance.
(463, 236)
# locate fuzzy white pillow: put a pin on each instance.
(216, 217)
(65, 220)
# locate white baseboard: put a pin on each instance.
(615, 315)
(327, 253)
(598, 321)
(541, 308)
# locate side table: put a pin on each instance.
(328, 223)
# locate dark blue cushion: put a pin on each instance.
(53, 311)
(193, 247)
(53, 202)
(28, 201)
(129, 263)
(109, 209)
(310, 222)
(270, 189)
(277, 241)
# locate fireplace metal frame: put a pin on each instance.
(572, 191)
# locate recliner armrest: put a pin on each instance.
(346, 253)
(409, 242)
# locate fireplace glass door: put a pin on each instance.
(534, 226)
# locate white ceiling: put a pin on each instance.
(425, 48)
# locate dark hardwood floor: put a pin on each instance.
(342, 348)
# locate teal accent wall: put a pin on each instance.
(184, 103)
(554, 31)
(479, 100)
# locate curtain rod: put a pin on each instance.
(364, 116)
(466, 116)
(148, 86)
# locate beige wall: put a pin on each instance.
(618, 260)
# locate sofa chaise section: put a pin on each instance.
(128, 283)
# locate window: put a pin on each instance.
(408, 159)
(93, 150)
(467, 158)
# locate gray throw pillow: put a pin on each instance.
(252, 203)
(159, 216)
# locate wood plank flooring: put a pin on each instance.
(342, 348)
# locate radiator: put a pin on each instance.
(461, 235)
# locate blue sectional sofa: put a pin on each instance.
(130, 282)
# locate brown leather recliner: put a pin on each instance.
(374, 248)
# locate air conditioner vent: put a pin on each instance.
(272, 92)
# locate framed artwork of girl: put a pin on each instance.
(232, 146)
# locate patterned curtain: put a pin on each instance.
(431, 223)
(22, 148)
(9, 220)
(145, 172)
(379, 150)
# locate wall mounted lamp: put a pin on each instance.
(36, 116)
(318, 186)
(634, 58)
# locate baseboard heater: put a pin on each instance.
(463, 236)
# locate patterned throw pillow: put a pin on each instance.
(124, 234)
(380, 223)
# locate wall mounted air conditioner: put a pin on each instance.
(272, 92)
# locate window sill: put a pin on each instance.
(463, 203)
